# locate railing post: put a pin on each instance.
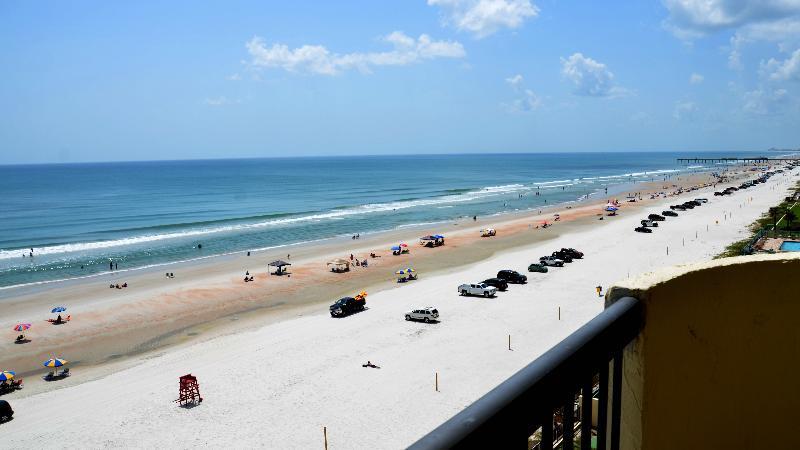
(586, 415)
(568, 421)
(547, 430)
(602, 412)
(616, 400)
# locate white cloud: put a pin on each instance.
(221, 101)
(485, 17)
(694, 18)
(696, 78)
(527, 100)
(786, 70)
(317, 59)
(765, 101)
(234, 77)
(515, 80)
(684, 110)
(589, 77)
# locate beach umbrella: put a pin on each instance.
(6, 375)
(401, 272)
(55, 362)
(403, 245)
(58, 309)
(395, 248)
(22, 326)
(410, 269)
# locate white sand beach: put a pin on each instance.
(277, 386)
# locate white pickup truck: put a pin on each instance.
(477, 289)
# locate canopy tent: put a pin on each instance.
(339, 265)
(279, 264)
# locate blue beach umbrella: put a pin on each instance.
(58, 309)
(396, 248)
(6, 375)
(55, 362)
(611, 208)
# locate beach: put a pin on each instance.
(274, 368)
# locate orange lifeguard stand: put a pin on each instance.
(188, 390)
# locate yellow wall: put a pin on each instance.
(717, 364)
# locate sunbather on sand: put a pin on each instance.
(370, 365)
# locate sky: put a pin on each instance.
(118, 81)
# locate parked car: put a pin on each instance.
(572, 252)
(512, 276)
(477, 289)
(6, 413)
(551, 261)
(537, 268)
(347, 305)
(719, 194)
(429, 314)
(643, 230)
(656, 217)
(701, 200)
(649, 223)
(566, 257)
(677, 208)
(694, 202)
(499, 283)
(669, 213)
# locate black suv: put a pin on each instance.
(656, 217)
(669, 213)
(6, 413)
(346, 306)
(562, 255)
(512, 276)
(573, 253)
(499, 283)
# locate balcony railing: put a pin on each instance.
(544, 394)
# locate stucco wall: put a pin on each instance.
(717, 363)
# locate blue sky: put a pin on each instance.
(110, 81)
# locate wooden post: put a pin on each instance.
(559, 313)
(325, 434)
(509, 342)
(436, 385)
(668, 250)
(684, 241)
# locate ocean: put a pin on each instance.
(79, 217)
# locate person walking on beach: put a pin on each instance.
(599, 290)
(111, 265)
(116, 266)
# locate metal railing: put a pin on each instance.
(512, 412)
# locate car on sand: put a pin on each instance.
(643, 230)
(656, 217)
(669, 213)
(537, 268)
(478, 289)
(346, 306)
(551, 261)
(499, 283)
(6, 413)
(572, 252)
(427, 315)
(512, 276)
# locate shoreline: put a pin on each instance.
(294, 392)
(616, 189)
(156, 313)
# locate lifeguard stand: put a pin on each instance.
(188, 390)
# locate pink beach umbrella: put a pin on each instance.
(22, 327)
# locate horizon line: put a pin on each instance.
(372, 155)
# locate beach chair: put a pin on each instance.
(64, 373)
(49, 376)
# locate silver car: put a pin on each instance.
(429, 314)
